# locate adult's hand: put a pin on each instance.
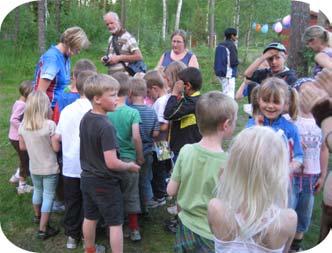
(313, 94)
(324, 80)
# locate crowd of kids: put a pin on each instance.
(128, 144)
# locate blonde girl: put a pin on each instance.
(249, 213)
(273, 98)
(320, 41)
(15, 120)
(171, 73)
(35, 135)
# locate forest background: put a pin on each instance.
(31, 28)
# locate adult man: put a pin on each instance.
(226, 61)
(122, 47)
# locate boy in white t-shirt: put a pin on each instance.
(67, 132)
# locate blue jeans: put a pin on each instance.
(44, 191)
(302, 199)
(145, 178)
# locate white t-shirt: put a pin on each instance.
(68, 127)
(311, 139)
(42, 158)
(159, 107)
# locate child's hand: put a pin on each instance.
(294, 165)
(319, 184)
(140, 160)
(133, 167)
(178, 88)
(259, 119)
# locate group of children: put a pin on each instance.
(122, 138)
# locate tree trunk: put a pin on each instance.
(123, 12)
(17, 23)
(164, 19)
(236, 20)
(212, 34)
(248, 35)
(41, 25)
(57, 16)
(178, 15)
(300, 15)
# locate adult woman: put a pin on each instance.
(319, 40)
(179, 52)
(52, 73)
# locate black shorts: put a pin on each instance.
(102, 197)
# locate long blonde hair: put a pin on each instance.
(36, 111)
(255, 178)
(317, 31)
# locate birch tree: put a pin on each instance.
(164, 19)
(41, 25)
(236, 20)
(178, 15)
(212, 34)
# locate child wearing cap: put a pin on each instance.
(275, 54)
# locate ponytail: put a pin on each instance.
(293, 102)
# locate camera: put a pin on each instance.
(105, 60)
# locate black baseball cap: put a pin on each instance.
(277, 46)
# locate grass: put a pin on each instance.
(16, 211)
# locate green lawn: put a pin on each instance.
(16, 211)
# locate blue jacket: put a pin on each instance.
(290, 131)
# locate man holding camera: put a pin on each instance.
(122, 46)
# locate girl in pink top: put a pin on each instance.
(15, 120)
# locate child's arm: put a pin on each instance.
(175, 109)
(56, 142)
(324, 160)
(239, 93)
(21, 143)
(113, 163)
(172, 187)
(138, 144)
(289, 218)
(16, 117)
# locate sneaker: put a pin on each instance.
(99, 248)
(172, 210)
(58, 207)
(25, 188)
(43, 235)
(135, 236)
(14, 179)
(171, 227)
(161, 201)
(71, 243)
(152, 203)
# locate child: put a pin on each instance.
(180, 109)
(67, 132)
(70, 93)
(101, 169)
(249, 213)
(15, 119)
(197, 170)
(157, 90)
(126, 122)
(273, 96)
(35, 134)
(149, 129)
(309, 179)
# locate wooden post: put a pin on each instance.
(300, 20)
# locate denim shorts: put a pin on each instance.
(302, 199)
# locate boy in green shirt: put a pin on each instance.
(197, 170)
(126, 122)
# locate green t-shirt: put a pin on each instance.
(197, 171)
(122, 119)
